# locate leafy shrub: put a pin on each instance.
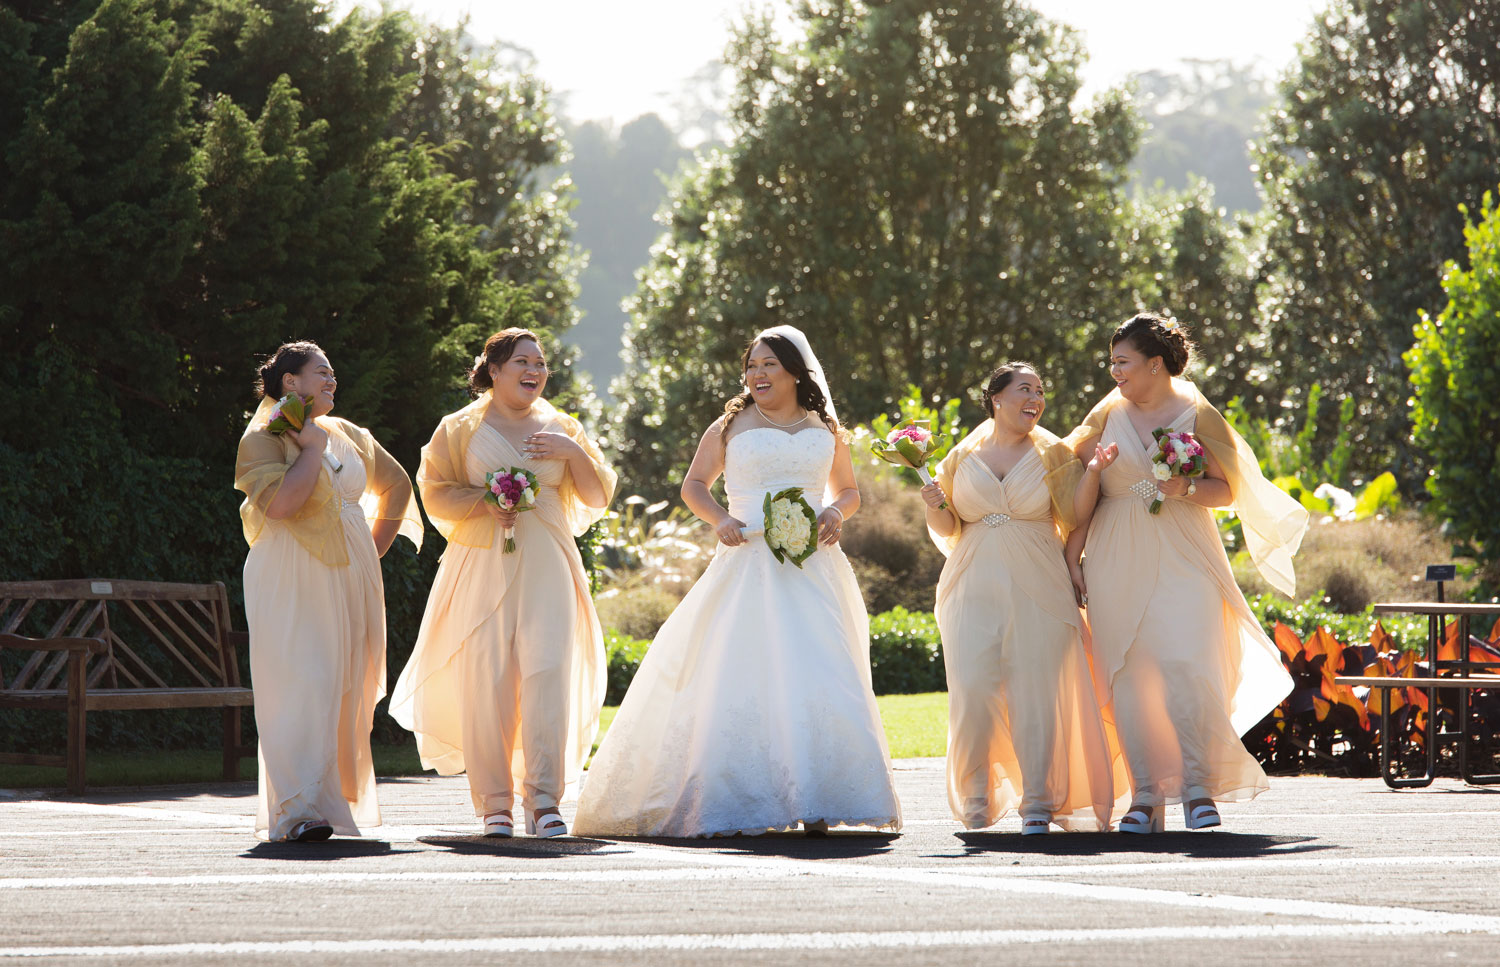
(1307, 616)
(906, 652)
(1324, 724)
(895, 561)
(638, 611)
(623, 656)
(1455, 382)
(1356, 563)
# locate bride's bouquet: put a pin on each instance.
(511, 489)
(1177, 454)
(910, 444)
(791, 526)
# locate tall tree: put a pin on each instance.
(1455, 382)
(497, 130)
(1387, 124)
(910, 183)
(183, 186)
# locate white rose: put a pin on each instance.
(1161, 471)
(527, 496)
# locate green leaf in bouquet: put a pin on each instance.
(909, 452)
(765, 516)
(812, 521)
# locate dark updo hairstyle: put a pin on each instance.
(1001, 378)
(289, 358)
(1154, 335)
(809, 395)
(497, 349)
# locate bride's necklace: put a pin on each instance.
(784, 426)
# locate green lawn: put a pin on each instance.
(915, 725)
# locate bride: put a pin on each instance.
(753, 710)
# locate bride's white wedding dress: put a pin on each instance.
(752, 710)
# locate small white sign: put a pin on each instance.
(101, 587)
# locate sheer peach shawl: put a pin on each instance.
(261, 465)
(1273, 522)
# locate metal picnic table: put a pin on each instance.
(1461, 674)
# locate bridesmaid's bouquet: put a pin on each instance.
(910, 444)
(511, 489)
(292, 412)
(1177, 454)
(289, 413)
(791, 526)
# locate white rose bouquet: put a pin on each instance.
(791, 526)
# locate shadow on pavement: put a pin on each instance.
(835, 845)
(1220, 845)
(529, 847)
(332, 849)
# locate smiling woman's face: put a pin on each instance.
(519, 380)
(314, 379)
(767, 380)
(1131, 371)
(1021, 403)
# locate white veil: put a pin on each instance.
(794, 335)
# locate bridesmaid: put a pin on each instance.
(1189, 666)
(314, 600)
(507, 676)
(1024, 725)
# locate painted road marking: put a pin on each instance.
(630, 943)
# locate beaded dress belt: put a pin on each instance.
(1144, 489)
(995, 520)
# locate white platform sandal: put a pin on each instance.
(1201, 817)
(545, 826)
(1143, 819)
(499, 826)
(1036, 826)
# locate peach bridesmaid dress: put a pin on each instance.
(508, 674)
(1025, 730)
(1189, 667)
(315, 609)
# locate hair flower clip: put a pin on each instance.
(479, 360)
(1170, 325)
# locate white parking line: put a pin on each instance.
(633, 943)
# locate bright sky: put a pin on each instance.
(619, 60)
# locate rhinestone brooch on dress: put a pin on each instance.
(995, 520)
(1144, 489)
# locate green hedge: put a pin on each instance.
(906, 652)
(1351, 629)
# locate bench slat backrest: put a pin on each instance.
(160, 635)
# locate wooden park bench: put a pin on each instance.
(90, 645)
(1460, 674)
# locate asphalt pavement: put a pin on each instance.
(1316, 871)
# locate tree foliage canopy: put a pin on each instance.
(1387, 125)
(911, 185)
(1456, 381)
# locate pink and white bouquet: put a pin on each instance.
(910, 444)
(1177, 454)
(511, 489)
(791, 526)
